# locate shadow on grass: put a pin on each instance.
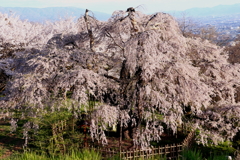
(9, 142)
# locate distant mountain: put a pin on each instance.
(50, 13)
(221, 10)
(55, 13)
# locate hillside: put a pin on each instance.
(137, 70)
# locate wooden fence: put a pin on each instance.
(172, 151)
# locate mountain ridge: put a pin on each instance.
(220, 10)
(50, 13)
(57, 13)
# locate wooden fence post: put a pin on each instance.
(158, 150)
(171, 154)
(177, 151)
(165, 149)
(133, 154)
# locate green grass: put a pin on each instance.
(195, 154)
(87, 154)
(2, 151)
(84, 154)
(191, 155)
(217, 157)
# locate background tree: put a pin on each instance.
(192, 28)
(234, 51)
(187, 25)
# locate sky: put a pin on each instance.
(108, 6)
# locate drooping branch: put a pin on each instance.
(110, 36)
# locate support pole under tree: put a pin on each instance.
(73, 110)
(85, 135)
(131, 16)
(90, 33)
(120, 137)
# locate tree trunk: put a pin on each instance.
(126, 133)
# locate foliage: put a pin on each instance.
(85, 154)
(191, 154)
(222, 150)
(198, 154)
(55, 129)
(136, 66)
(52, 131)
(217, 157)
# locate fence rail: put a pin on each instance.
(172, 151)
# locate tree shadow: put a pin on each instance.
(9, 142)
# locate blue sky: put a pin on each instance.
(108, 6)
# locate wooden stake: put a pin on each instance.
(90, 33)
